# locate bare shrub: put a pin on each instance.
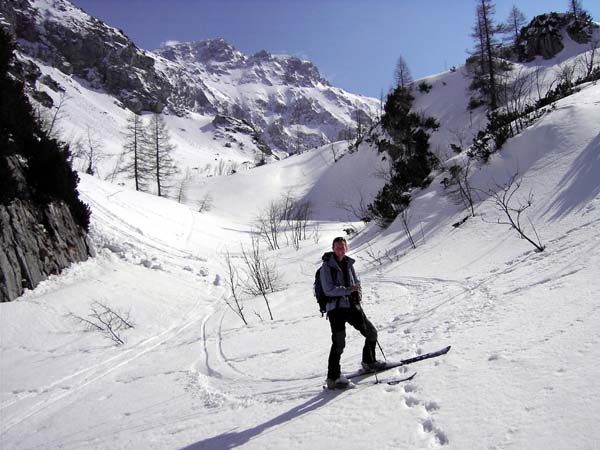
(286, 216)
(405, 220)
(503, 198)
(206, 203)
(233, 282)
(263, 277)
(357, 211)
(460, 185)
(106, 320)
(379, 258)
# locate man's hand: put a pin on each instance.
(355, 287)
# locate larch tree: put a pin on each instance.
(486, 42)
(575, 8)
(162, 165)
(402, 73)
(136, 149)
(515, 21)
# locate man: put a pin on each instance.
(342, 285)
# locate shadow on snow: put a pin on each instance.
(234, 439)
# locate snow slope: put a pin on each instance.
(525, 361)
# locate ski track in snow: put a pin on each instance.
(77, 381)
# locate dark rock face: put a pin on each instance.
(231, 124)
(35, 243)
(541, 37)
(85, 47)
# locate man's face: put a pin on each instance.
(340, 249)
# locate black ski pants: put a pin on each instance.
(355, 317)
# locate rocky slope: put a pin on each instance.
(283, 98)
(43, 224)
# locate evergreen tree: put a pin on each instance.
(581, 27)
(48, 173)
(409, 149)
(487, 69)
(138, 165)
(162, 166)
(576, 9)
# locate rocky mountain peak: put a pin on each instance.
(205, 52)
(282, 97)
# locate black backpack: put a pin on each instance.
(322, 299)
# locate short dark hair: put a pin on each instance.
(340, 239)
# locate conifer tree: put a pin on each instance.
(575, 8)
(485, 35)
(162, 166)
(515, 21)
(402, 73)
(138, 165)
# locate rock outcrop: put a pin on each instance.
(543, 36)
(35, 242)
(75, 43)
(43, 223)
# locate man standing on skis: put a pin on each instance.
(341, 284)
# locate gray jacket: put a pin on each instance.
(334, 286)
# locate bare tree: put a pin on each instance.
(588, 59)
(91, 150)
(183, 186)
(333, 151)
(262, 274)
(163, 165)
(402, 73)
(233, 282)
(405, 220)
(575, 8)
(356, 211)
(459, 178)
(515, 21)
(503, 197)
(565, 73)
(539, 79)
(298, 222)
(514, 92)
(106, 320)
(269, 224)
(206, 203)
(58, 115)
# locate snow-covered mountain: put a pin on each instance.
(281, 98)
(523, 325)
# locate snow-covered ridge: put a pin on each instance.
(284, 98)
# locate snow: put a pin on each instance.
(525, 361)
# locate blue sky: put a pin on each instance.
(354, 43)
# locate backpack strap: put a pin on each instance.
(333, 277)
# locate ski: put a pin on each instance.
(404, 362)
(390, 382)
(401, 380)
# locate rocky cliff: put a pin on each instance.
(543, 36)
(43, 224)
(36, 241)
